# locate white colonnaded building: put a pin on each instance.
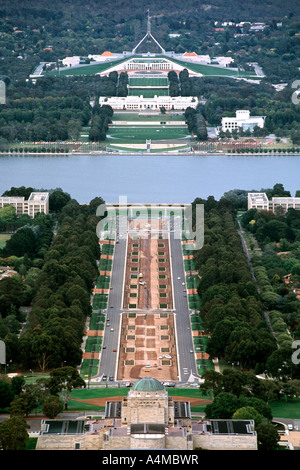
(242, 120)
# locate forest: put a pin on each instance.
(54, 109)
(55, 275)
(232, 307)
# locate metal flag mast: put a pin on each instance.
(148, 35)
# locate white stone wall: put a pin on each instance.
(225, 442)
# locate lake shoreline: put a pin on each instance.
(170, 153)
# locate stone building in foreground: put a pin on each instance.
(147, 419)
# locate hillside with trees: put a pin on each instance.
(40, 32)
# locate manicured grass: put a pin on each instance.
(89, 367)
(102, 282)
(4, 237)
(286, 409)
(192, 282)
(100, 301)
(87, 394)
(79, 406)
(107, 249)
(211, 70)
(93, 344)
(97, 322)
(32, 378)
(151, 81)
(280, 409)
(105, 265)
(31, 443)
(139, 134)
(208, 70)
(91, 69)
(148, 93)
(194, 302)
(120, 116)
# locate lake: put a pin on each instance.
(149, 178)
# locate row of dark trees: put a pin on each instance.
(231, 308)
(196, 122)
(101, 118)
(174, 89)
(55, 279)
(62, 302)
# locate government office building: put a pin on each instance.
(242, 120)
(261, 202)
(140, 103)
(36, 203)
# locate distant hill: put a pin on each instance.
(120, 10)
(34, 31)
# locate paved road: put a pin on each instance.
(185, 348)
(185, 351)
(108, 358)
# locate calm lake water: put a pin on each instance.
(149, 178)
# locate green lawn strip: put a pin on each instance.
(31, 443)
(91, 69)
(120, 116)
(100, 301)
(93, 344)
(189, 265)
(286, 409)
(107, 249)
(79, 406)
(89, 367)
(200, 342)
(32, 378)
(4, 237)
(203, 365)
(97, 321)
(192, 281)
(106, 392)
(148, 92)
(211, 70)
(148, 81)
(105, 265)
(139, 134)
(194, 301)
(102, 282)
